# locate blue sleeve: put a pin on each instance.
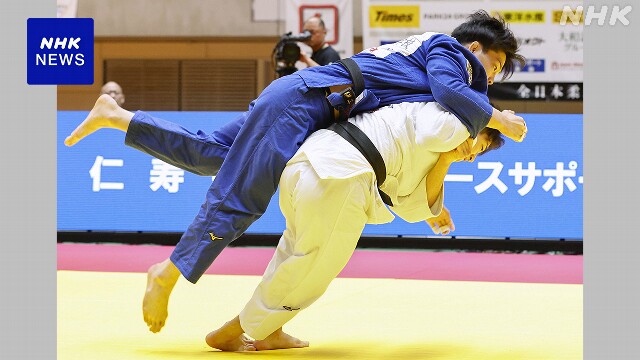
(448, 80)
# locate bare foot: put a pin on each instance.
(161, 278)
(105, 114)
(279, 340)
(230, 337)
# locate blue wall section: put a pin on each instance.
(543, 200)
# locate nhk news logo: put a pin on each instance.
(59, 51)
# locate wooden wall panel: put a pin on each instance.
(149, 84)
(218, 85)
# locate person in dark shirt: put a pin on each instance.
(323, 53)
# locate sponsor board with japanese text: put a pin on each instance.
(535, 23)
(537, 91)
(531, 189)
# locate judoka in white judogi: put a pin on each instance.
(328, 192)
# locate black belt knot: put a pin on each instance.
(345, 100)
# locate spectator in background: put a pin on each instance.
(323, 53)
(114, 90)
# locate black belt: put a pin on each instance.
(360, 141)
(355, 73)
(344, 102)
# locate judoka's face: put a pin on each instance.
(481, 145)
(492, 61)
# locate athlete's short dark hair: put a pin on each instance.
(494, 34)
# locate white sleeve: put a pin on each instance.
(437, 129)
(414, 208)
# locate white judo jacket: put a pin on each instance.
(410, 138)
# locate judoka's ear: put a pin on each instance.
(474, 46)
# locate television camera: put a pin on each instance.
(287, 52)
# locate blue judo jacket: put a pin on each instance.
(426, 67)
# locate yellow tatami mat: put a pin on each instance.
(100, 317)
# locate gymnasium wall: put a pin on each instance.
(172, 30)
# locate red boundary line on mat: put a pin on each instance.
(422, 265)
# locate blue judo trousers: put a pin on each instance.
(271, 131)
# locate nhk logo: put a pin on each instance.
(394, 16)
(578, 16)
(60, 51)
(54, 59)
(522, 16)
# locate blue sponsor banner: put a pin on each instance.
(531, 65)
(60, 51)
(532, 189)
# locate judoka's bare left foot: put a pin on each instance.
(279, 340)
(161, 278)
(230, 337)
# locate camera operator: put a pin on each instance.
(323, 53)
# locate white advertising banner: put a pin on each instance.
(553, 50)
(336, 14)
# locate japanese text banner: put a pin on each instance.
(531, 189)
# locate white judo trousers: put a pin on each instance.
(328, 192)
(324, 221)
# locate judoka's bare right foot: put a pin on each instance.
(105, 114)
(230, 337)
(279, 340)
(161, 278)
